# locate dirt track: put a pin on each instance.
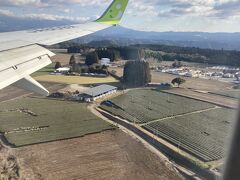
(108, 155)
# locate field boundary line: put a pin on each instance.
(181, 115)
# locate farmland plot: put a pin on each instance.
(33, 120)
(145, 105)
(201, 134)
(75, 79)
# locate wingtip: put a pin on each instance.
(114, 13)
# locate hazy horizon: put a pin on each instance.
(157, 15)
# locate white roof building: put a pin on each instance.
(62, 70)
(105, 61)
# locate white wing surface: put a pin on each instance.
(21, 53)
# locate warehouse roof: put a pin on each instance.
(102, 89)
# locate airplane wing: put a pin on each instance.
(21, 52)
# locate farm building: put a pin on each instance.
(97, 92)
(63, 70)
(105, 61)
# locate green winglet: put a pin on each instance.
(114, 12)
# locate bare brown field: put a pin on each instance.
(12, 92)
(107, 155)
(63, 58)
(192, 83)
(119, 71)
(212, 98)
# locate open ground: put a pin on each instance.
(106, 155)
(191, 83)
(12, 92)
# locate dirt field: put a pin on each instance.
(63, 58)
(213, 98)
(107, 155)
(12, 92)
(119, 71)
(192, 83)
(75, 79)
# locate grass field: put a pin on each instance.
(145, 105)
(202, 134)
(32, 120)
(75, 79)
(45, 71)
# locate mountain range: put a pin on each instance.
(119, 35)
(124, 36)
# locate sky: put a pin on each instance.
(145, 15)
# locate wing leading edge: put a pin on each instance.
(21, 53)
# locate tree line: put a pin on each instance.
(165, 53)
(193, 54)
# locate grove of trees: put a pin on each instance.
(112, 53)
(178, 81)
(177, 64)
(58, 65)
(136, 73)
(92, 58)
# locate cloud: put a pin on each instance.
(222, 9)
(53, 17)
(50, 3)
(205, 8)
(6, 12)
(44, 16)
(227, 9)
(21, 2)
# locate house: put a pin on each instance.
(62, 70)
(97, 92)
(105, 61)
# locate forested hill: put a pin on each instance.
(161, 52)
(124, 36)
(192, 54)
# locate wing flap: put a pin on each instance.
(29, 84)
(22, 64)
